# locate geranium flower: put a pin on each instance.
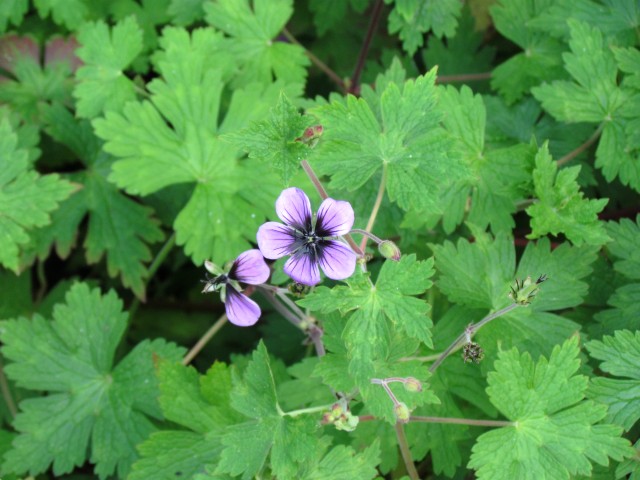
(249, 268)
(309, 243)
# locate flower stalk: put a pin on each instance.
(209, 334)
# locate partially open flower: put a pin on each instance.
(310, 243)
(249, 268)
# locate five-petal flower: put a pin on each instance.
(249, 268)
(309, 242)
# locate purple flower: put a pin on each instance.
(309, 243)
(249, 268)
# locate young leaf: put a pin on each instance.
(413, 18)
(561, 207)
(252, 27)
(555, 432)
(377, 309)
(288, 440)
(102, 86)
(94, 411)
(620, 356)
(394, 129)
(274, 142)
(26, 198)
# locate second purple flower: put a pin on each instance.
(310, 243)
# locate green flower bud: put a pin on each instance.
(347, 422)
(412, 385)
(402, 413)
(389, 250)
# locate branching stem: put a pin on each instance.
(468, 333)
(215, 328)
(406, 453)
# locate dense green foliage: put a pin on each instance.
(496, 143)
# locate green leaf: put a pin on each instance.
(626, 311)
(394, 128)
(118, 226)
(273, 141)
(540, 59)
(556, 435)
(328, 14)
(12, 11)
(252, 27)
(157, 144)
(288, 440)
(342, 463)
(70, 13)
(377, 309)
(94, 411)
(561, 206)
(186, 12)
(631, 466)
(620, 357)
(102, 85)
(199, 403)
(26, 198)
(414, 18)
(626, 246)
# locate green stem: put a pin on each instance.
(469, 332)
(42, 280)
(303, 411)
(6, 392)
(463, 421)
(376, 208)
(574, 153)
(215, 328)
(406, 453)
(153, 268)
(317, 62)
(427, 358)
(366, 234)
(324, 195)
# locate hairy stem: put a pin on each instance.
(291, 304)
(317, 62)
(280, 308)
(406, 453)
(6, 392)
(574, 153)
(366, 235)
(463, 421)
(376, 208)
(469, 332)
(376, 13)
(324, 195)
(303, 411)
(215, 328)
(467, 77)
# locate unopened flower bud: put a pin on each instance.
(347, 422)
(412, 385)
(402, 413)
(525, 290)
(472, 352)
(389, 250)
(311, 135)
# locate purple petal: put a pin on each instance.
(250, 268)
(294, 208)
(275, 240)
(303, 269)
(335, 218)
(337, 260)
(241, 310)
